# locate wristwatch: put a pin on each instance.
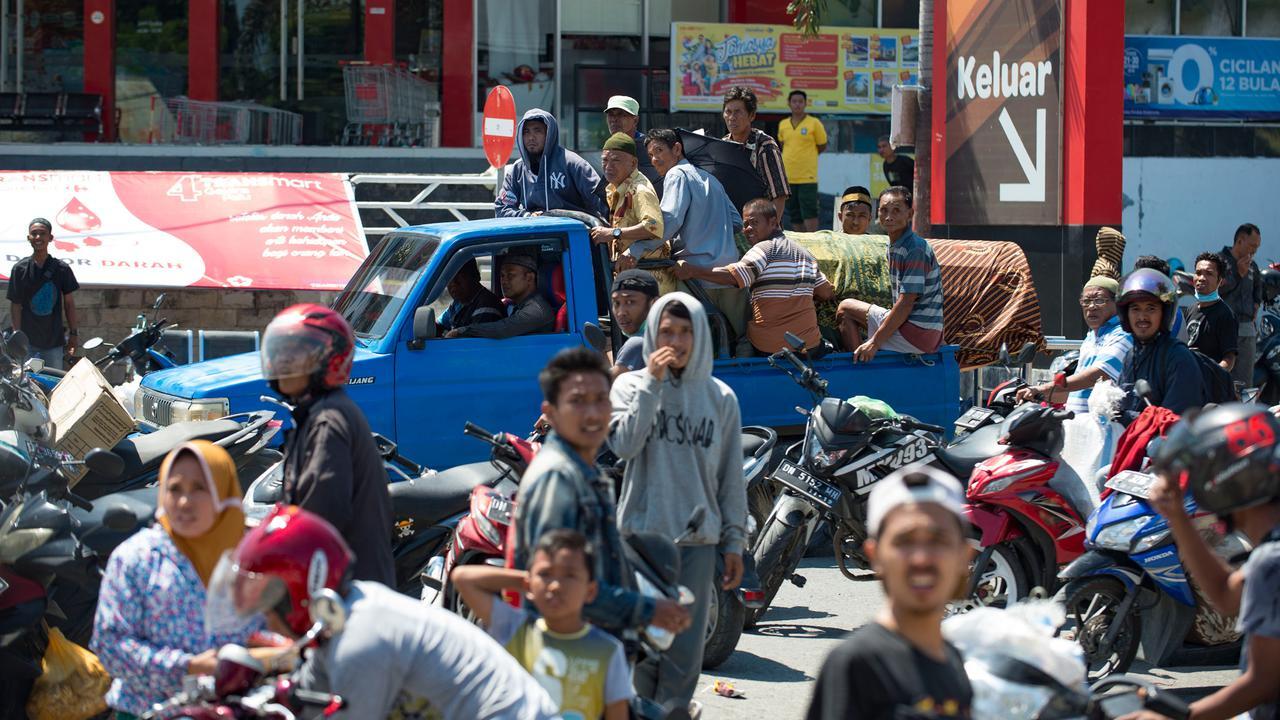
(73, 333)
(617, 233)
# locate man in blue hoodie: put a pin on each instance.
(547, 176)
(680, 431)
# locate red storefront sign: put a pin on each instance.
(268, 231)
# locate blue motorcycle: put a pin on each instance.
(1129, 591)
(142, 349)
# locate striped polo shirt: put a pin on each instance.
(914, 270)
(782, 276)
(1108, 348)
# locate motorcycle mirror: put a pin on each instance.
(1143, 390)
(328, 610)
(92, 343)
(119, 518)
(105, 463)
(1004, 355)
(795, 342)
(159, 302)
(34, 365)
(594, 336)
(17, 346)
(1027, 353)
(696, 518)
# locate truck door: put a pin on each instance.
(492, 383)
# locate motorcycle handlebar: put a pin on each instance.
(78, 501)
(917, 425)
(317, 699)
(476, 431)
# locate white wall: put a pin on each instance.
(1180, 207)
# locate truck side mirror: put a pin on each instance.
(424, 327)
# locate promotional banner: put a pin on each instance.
(285, 231)
(842, 70)
(1205, 77)
(1003, 112)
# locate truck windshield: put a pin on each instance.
(378, 290)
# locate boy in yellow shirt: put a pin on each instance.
(802, 137)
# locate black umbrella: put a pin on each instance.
(728, 162)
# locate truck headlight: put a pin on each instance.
(198, 410)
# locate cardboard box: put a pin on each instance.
(86, 415)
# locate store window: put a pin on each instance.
(419, 49)
(1148, 17)
(851, 13)
(900, 13)
(52, 46)
(1263, 18)
(515, 46)
(1210, 17)
(151, 62)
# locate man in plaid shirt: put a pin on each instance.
(766, 155)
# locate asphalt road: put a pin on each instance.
(776, 663)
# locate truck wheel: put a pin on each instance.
(724, 627)
(1091, 610)
(776, 556)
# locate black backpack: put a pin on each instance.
(1215, 382)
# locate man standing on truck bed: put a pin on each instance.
(699, 220)
(739, 111)
(528, 312)
(331, 464)
(547, 176)
(635, 214)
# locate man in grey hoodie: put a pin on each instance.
(680, 432)
(547, 176)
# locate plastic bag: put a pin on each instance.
(73, 685)
(873, 408)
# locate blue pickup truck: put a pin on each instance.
(418, 388)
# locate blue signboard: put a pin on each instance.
(1201, 77)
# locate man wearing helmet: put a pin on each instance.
(331, 464)
(385, 654)
(1146, 306)
(1229, 458)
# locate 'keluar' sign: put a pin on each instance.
(1003, 131)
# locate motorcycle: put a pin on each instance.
(481, 537)
(426, 506)
(1003, 397)
(1131, 591)
(828, 475)
(47, 574)
(1266, 369)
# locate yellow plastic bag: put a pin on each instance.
(73, 684)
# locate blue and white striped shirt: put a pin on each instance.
(1108, 347)
(913, 270)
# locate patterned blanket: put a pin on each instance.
(988, 296)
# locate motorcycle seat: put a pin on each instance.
(432, 498)
(102, 540)
(142, 453)
(751, 443)
(960, 457)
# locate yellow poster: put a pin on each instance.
(842, 70)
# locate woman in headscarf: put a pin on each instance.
(149, 631)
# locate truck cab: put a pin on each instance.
(418, 388)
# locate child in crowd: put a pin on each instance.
(583, 668)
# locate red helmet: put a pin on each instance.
(291, 554)
(308, 339)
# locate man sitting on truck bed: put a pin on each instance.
(914, 323)
(472, 301)
(783, 277)
(699, 221)
(528, 312)
(547, 176)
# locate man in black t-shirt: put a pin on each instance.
(899, 667)
(40, 290)
(1211, 326)
(899, 170)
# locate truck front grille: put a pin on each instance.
(157, 408)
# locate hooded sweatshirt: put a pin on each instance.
(559, 180)
(682, 440)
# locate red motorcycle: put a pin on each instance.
(1027, 507)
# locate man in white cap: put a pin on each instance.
(622, 115)
(899, 665)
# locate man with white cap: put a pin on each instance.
(899, 665)
(622, 115)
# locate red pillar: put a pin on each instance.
(380, 31)
(457, 75)
(202, 49)
(938, 156)
(1093, 131)
(100, 59)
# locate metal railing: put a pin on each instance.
(183, 121)
(421, 201)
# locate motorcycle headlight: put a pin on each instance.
(822, 459)
(1151, 541)
(1118, 536)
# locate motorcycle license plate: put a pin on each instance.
(499, 510)
(819, 491)
(1132, 483)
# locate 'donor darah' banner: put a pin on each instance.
(842, 70)
(282, 231)
(1179, 77)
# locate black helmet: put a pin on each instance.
(1144, 283)
(1271, 284)
(1230, 455)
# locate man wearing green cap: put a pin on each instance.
(1103, 354)
(622, 115)
(635, 216)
